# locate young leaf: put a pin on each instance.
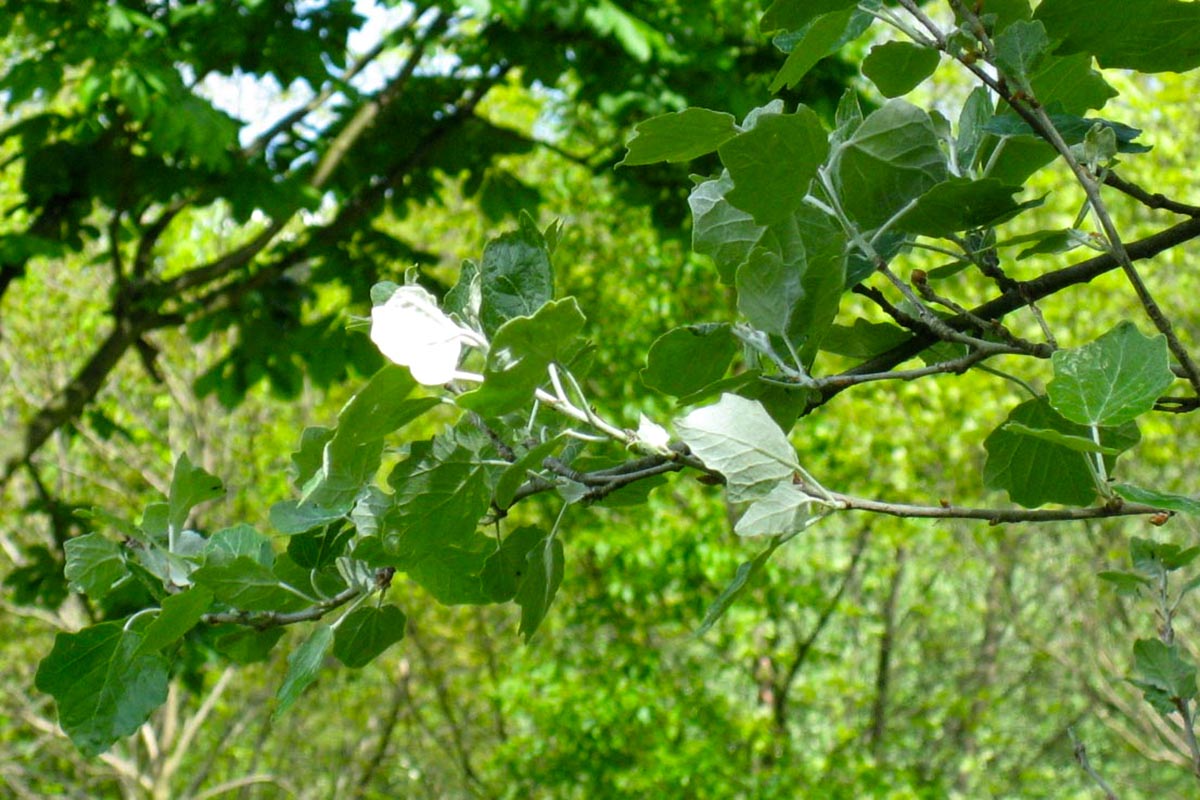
(303, 665)
(1112, 380)
(103, 687)
(897, 67)
(772, 165)
(678, 136)
(543, 575)
(737, 438)
(366, 632)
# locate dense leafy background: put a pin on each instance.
(877, 658)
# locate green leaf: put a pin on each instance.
(307, 460)
(517, 278)
(1126, 583)
(1020, 48)
(543, 574)
(466, 296)
(792, 15)
(249, 646)
(240, 540)
(1079, 444)
(369, 511)
(380, 292)
(103, 688)
(720, 230)
(321, 549)
(245, 584)
(1006, 11)
(1111, 380)
(376, 410)
(766, 290)
(821, 38)
(351, 457)
(94, 564)
(746, 572)
(737, 438)
(864, 339)
(290, 517)
(507, 566)
(179, 614)
(786, 509)
(1145, 35)
(897, 67)
(1072, 129)
(772, 165)
(303, 665)
(366, 632)
(441, 491)
(678, 136)
(893, 157)
(976, 112)
(958, 204)
(1050, 242)
(687, 359)
(190, 486)
(515, 474)
(1164, 500)
(451, 571)
(1165, 668)
(520, 352)
(1150, 557)
(794, 289)
(1034, 471)
(1070, 83)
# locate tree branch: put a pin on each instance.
(262, 620)
(1030, 291)
(995, 516)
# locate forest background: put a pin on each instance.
(874, 657)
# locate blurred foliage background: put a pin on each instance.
(877, 658)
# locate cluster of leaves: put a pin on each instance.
(796, 217)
